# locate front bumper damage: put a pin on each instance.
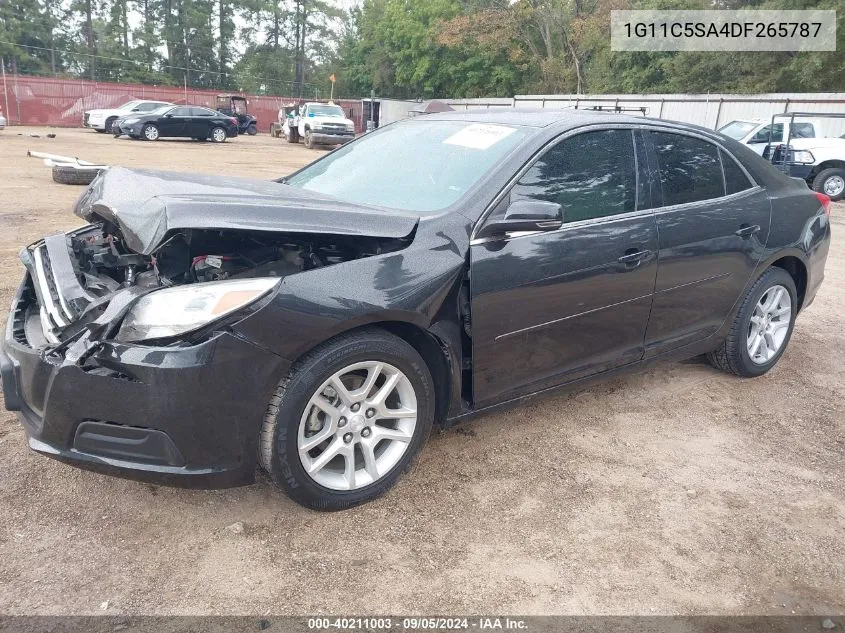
(178, 414)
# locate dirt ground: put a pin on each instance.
(676, 490)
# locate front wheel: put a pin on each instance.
(831, 182)
(150, 132)
(252, 130)
(218, 135)
(348, 420)
(762, 327)
(309, 139)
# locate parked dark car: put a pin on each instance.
(193, 122)
(431, 270)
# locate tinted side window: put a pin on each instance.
(181, 112)
(689, 168)
(590, 175)
(735, 179)
(201, 112)
(803, 130)
(148, 107)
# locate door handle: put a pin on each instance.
(746, 231)
(633, 257)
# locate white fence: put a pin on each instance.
(712, 111)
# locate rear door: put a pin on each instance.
(200, 124)
(548, 308)
(713, 224)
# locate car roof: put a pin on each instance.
(536, 117)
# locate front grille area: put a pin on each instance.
(54, 312)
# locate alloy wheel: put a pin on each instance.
(769, 325)
(151, 133)
(218, 135)
(357, 425)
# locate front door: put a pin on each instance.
(713, 225)
(175, 122)
(548, 308)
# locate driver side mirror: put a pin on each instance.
(526, 215)
(136, 109)
(169, 115)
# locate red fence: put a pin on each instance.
(61, 102)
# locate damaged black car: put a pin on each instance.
(199, 327)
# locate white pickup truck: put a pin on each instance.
(318, 124)
(817, 159)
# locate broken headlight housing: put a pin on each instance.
(174, 311)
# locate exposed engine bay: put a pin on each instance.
(196, 255)
(90, 280)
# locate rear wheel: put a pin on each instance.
(218, 135)
(762, 327)
(150, 132)
(252, 130)
(348, 420)
(831, 182)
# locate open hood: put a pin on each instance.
(147, 205)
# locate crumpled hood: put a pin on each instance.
(147, 205)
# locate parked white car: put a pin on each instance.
(318, 124)
(755, 132)
(102, 119)
(2, 121)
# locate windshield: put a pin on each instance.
(129, 106)
(737, 130)
(325, 110)
(414, 165)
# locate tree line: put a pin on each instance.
(397, 48)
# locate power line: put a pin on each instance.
(166, 66)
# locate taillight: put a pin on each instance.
(233, 120)
(824, 201)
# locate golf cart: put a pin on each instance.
(236, 106)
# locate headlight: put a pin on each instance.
(350, 127)
(801, 156)
(128, 121)
(174, 311)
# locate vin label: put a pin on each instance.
(742, 30)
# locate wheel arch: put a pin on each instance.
(433, 350)
(797, 269)
(826, 164)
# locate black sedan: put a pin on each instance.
(193, 122)
(429, 271)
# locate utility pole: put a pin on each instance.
(5, 90)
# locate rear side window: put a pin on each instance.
(735, 178)
(590, 175)
(803, 130)
(689, 168)
(181, 111)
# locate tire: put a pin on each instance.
(831, 180)
(279, 452)
(733, 354)
(99, 131)
(150, 132)
(252, 130)
(73, 176)
(218, 135)
(109, 122)
(309, 142)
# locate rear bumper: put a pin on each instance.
(186, 416)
